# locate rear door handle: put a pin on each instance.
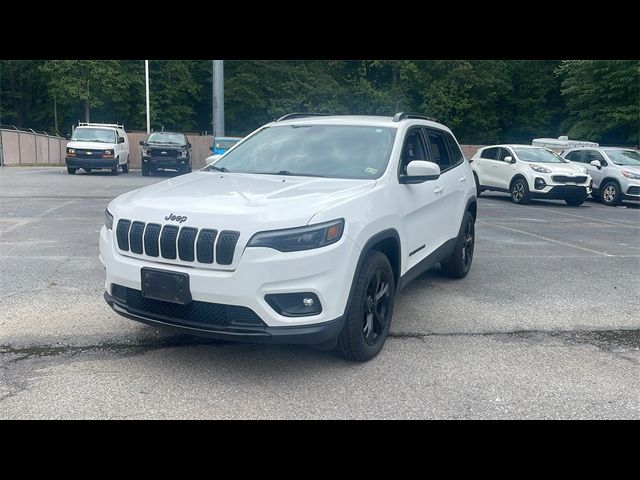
(494, 166)
(438, 190)
(463, 180)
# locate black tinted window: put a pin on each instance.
(454, 150)
(575, 156)
(490, 153)
(439, 152)
(593, 155)
(413, 149)
(504, 153)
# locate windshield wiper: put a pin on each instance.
(218, 169)
(289, 172)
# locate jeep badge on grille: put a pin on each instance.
(176, 218)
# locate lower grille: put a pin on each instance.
(633, 190)
(203, 313)
(163, 153)
(566, 179)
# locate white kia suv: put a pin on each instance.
(528, 172)
(302, 233)
(98, 146)
(615, 172)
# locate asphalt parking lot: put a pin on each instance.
(546, 325)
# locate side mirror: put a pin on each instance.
(188, 145)
(596, 163)
(509, 159)
(120, 139)
(142, 143)
(212, 149)
(419, 171)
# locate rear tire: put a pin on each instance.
(520, 191)
(368, 317)
(459, 263)
(610, 194)
(71, 171)
(574, 203)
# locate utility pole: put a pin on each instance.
(218, 98)
(146, 79)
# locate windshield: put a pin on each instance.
(94, 135)
(339, 151)
(166, 137)
(624, 157)
(225, 144)
(538, 155)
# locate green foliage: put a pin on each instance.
(603, 99)
(482, 101)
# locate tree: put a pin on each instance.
(87, 81)
(603, 99)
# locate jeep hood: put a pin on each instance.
(247, 203)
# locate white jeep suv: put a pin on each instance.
(615, 172)
(98, 146)
(530, 172)
(302, 233)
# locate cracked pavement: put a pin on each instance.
(546, 325)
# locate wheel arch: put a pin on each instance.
(387, 242)
(516, 177)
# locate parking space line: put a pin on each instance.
(590, 219)
(38, 217)
(552, 240)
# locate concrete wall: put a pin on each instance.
(24, 148)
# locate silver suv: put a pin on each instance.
(615, 172)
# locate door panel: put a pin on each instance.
(596, 174)
(504, 171)
(489, 164)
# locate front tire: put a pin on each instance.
(610, 194)
(71, 171)
(125, 167)
(368, 318)
(145, 170)
(520, 191)
(574, 202)
(459, 263)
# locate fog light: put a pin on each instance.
(540, 183)
(294, 304)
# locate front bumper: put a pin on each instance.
(163, 162)
(257, 333)
(327, 272)
(562, 192)
(75, 162)
(631, 190)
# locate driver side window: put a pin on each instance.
(413, 149)
(504, 153)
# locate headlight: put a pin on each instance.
(539, 168)
(183, 153)
(629, 174)
(584, 170)
(108, 220)
(108, 152)
(301, 238)
(71, 151)
(145, 151)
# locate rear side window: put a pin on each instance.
(575, 156)
(490, 153)
(439, 151)
(454, 150)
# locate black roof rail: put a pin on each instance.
(290, 116)
(404, 115)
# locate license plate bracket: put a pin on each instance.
(166, 286)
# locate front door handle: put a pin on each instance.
(463, 180)
(494, 166)
(438, 190)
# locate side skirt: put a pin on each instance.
(439, 255)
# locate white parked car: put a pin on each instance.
(528, 172)
(615, 172)
(95, 146)
(302, 233)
